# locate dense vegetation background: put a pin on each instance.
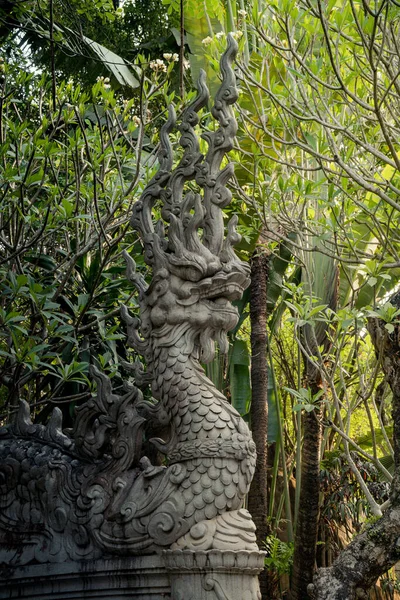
(83, 91)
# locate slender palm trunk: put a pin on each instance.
(306, 536)
(257, 501)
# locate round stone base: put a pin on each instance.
(214, 574)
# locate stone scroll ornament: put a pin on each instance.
(91, 493)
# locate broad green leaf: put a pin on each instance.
(239, 376)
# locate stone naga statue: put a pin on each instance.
(91, 493)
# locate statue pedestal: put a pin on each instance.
(214, 574)
(177, 575)
(137, 578)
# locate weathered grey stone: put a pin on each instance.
(139, 578)
(93, 494)
(230, 531)
(214, 574)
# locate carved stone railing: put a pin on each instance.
(92, 495)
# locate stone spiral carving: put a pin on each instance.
(92, 493)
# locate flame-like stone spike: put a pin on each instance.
(142, 218)
(132, 325)
(195, 235)
(104, 387)
(24, 414)
(133, 276)
(55, 422)
(186, 169)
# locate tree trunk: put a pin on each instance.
(257, 499)
(306, 535)
(305, 545)
(358, 566)
(377, 549)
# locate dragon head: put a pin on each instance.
(196, 273)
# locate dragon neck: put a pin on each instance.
(197, 409)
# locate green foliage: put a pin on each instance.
(344, 500)
(68, 178)
(90, 39)
(279, 555)
(209, 8)
(387, 313)
(305, 398)
(309, 146)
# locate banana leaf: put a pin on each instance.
(239, 376)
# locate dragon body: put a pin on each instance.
(91, 492)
